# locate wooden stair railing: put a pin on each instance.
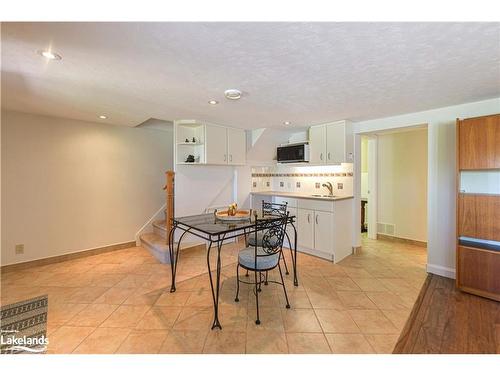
(169, 188)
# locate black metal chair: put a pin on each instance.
(271, 209)
(264, 258)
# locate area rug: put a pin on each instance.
(24, 326)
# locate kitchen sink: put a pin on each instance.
(322, 195)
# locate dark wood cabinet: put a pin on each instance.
(479, 143)
(478, 214)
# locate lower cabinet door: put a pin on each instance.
(289, 229)
(323, 231)
(305, 221)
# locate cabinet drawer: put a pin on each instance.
(291, 202)
(316, 205)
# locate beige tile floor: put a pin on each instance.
(119, 302)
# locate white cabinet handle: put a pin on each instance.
(321, 156)
(230, 157)
(225, 157)
(328, 156)
(316, 219)
(308, 218)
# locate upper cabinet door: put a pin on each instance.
(236, 146)
(479, 142)
(216, 144)
(317, 144)
(335, 143)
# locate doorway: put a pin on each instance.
(393, 175)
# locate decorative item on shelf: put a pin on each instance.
(187, 140)
(194, 140)
(190, 159)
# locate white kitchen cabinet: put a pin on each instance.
(305, 224)
(331, 143)
(236, 146)
(225, 145)
(335, 144)
(323, 224)
(317, 144)
(215, 144)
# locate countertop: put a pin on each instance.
(300, 196)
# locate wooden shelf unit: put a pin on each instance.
(478, 214)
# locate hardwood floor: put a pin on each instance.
(446, 320)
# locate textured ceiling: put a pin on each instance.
(301, 72)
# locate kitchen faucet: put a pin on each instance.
(329, 186)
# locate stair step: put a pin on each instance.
(159, 227)
(157, 245)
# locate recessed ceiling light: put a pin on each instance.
(232, 94)
(103, 117)
(50, 55)
(287, 123)
(213, 102)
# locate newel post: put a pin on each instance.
(169, 217)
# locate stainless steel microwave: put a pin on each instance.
(293, 153)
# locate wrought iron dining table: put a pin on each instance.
(215, 231)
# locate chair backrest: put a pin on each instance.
(273, 209)
(273, 234)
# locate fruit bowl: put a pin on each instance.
(238, 215)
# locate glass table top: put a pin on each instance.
(209, 224)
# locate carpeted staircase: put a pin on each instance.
(156, 242)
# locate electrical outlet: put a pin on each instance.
(254, 184)
(268, 184)
(20, 249)
(340, 185)
(282, 184)
(297, 184)
(317, 185)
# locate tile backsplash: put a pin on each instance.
(304, 179)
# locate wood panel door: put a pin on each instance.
(478, 271)
(216, 144)
(479, 143)
(479, 216)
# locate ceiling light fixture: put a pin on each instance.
(49, 55)
(287, 123)
(232, 94)
(102, 117)
(213, 102)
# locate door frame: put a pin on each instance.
(372, 186)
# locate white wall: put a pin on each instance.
(441, 178)
(70, 185)
(198, 187)
(402, 183)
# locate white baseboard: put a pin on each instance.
(441, 271)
